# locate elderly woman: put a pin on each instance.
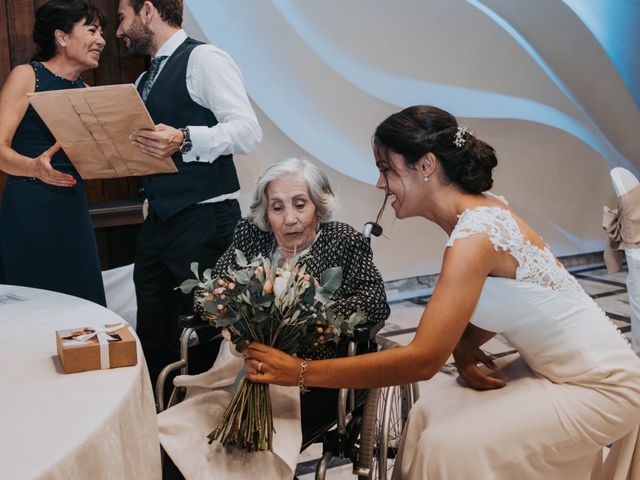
(289, 216)
(47, 238)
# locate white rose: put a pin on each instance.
(280, 285)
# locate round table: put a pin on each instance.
(98, 424)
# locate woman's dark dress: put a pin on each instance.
(46, 235)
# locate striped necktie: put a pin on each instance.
(154, 68)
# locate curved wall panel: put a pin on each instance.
(534, 79)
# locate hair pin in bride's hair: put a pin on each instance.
(459, 138)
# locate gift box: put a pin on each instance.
(96, 348)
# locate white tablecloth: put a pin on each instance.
(98, 425)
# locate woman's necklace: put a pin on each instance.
(297, 250)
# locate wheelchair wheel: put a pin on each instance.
(385, 414)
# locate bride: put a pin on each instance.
(577, 389)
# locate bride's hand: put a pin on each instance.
(467, 357)
(268, 365)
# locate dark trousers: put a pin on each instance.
(164, 253)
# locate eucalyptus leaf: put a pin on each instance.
(241, 260)
(207, 274)
(256, 262)
(225, 321)
(211, 306)
(322, 296)
(309, 294)
(331, 279)
(194, 269)
(189, 284)
(242, 277)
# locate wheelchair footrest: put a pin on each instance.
(343, 445)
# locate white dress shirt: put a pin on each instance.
(215, 82)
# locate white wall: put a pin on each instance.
(528, 77)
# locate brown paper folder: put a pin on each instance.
(93, 126)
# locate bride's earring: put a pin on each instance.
(426, 178)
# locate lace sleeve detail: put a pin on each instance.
(497, 223)
(535, 265)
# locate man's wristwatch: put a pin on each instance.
(186, 145)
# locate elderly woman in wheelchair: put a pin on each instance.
(290, 216)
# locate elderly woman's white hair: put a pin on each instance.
(320, 191)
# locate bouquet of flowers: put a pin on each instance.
(275, 303)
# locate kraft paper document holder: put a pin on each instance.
(93, 126)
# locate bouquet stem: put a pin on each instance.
(247, 422)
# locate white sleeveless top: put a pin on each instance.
(544, 312)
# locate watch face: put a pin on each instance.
(186, 141)
(186, 147)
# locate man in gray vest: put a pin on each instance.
(195, 95)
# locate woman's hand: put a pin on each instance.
(43, 171)
(268, 365)
(467, 356)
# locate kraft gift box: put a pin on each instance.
(96, 348)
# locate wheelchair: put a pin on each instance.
(368, 433)
(369, 424)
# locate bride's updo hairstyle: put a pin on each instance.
(466, 161)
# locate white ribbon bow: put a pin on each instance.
(103, 336)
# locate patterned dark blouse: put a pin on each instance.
(337, 244)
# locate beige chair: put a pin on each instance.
(120, 292)
(623, 182)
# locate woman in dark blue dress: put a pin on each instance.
(46, 235)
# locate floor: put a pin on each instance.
(407, 304)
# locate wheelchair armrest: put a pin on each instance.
(190, 320)
(203, 328)
(162, 380)
(368, 331)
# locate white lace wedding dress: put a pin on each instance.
(574, 389)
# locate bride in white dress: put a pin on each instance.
(576, 387)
